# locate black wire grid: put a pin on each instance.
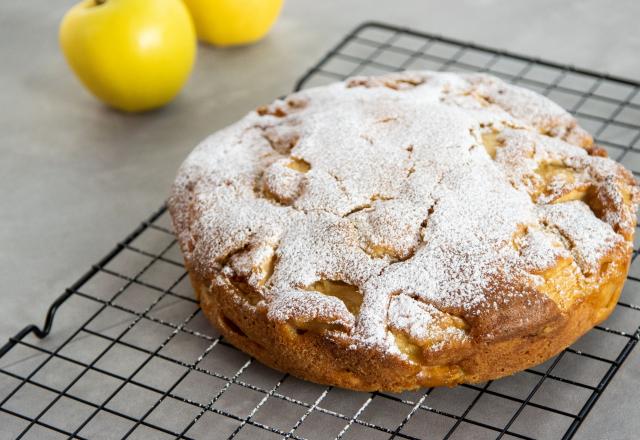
(133, 357)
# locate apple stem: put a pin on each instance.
(100, 2)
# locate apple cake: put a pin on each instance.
(410, 230)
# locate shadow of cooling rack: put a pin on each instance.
(132, 356)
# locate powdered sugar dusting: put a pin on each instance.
(385, 184)
(422, 322)
(587, 236)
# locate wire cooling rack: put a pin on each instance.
(133, 357)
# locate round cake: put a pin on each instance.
(410, 230)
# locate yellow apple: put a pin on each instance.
(134, 55)
(233, 22)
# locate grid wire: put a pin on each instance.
(136, 359)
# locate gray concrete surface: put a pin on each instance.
(75, 177)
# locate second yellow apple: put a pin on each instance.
(233, 22)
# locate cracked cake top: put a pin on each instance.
(429, 206)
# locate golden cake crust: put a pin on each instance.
(411, 230)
